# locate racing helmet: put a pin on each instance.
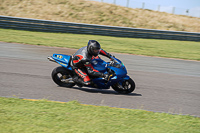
(93, 47)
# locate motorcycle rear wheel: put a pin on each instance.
(60, 73)
(128, 85)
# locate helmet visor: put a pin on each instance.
(96, 51)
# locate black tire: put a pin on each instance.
(58, 73)
(129, 86)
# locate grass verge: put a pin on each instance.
(150, 47)
(19, 116)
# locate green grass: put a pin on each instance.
(25, 116)
(150, 47)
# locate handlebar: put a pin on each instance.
(115, 62)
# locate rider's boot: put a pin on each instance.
(80, 82)
(76, 80)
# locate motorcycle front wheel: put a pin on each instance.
(128, 87)
(60, 75)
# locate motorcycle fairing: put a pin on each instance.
(63, 60)
(99, 65)
(102, 84)
(119, 68)
(102, 66)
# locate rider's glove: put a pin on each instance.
(110, 56)
(106, 76)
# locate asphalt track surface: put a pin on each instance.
(162, 85)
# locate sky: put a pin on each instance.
(183, 7)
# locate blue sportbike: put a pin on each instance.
(118, 79)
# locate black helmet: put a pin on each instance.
(93, 47)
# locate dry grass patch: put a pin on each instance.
(92, 12)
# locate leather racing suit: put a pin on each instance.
(81, 64)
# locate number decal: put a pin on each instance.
(59, 56)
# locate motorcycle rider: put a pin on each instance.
(81, 62)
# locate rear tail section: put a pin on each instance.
(63, 60)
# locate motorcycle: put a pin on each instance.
(118, 78)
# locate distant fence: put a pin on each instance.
(78, 28)
(195, 12)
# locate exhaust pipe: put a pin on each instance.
(67, 80)
(50, 59)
